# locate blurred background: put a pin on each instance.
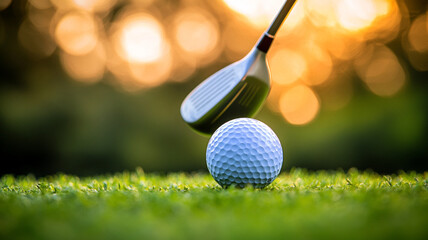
(95, 86)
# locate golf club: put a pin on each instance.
(237, 90)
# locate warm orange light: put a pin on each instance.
(182, 69)
(141, 39)
(245, 7)
(259, 13)
(272, 100)
(140, 55)
(382, 72)
(238, 40)
(152, 74)
(356, 15)
(295, 17)
(86, 68)
(386, 26)
(40, 4)
(322, 13)
(317, 38)
(344, 47)
(76, 33)
(320, 65)
(63, 4)
(299, 105)
(120, 69)
(418, 34)
(196, 32)
(94, 5)
(287, 66)
(418, 60)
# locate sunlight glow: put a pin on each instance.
(356, 15)
(287, 66)
(94, 5)
(152, 74)
(295, 17)
(382, 72)
(316, 53)
(322, 13)
(259, 13)
(299, 105)
(319, 64)
(141, 39)
(196, 33)
(76, 33)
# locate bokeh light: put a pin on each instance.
(259, 13)
(140, 54)
(84, 5)
(287, 66)
(95, 5)
(319, 64)
(88, 68)
(197, 34)
(40, 4)
(381, 71)
(294, 18)
(41, 18)
(344, 47)
(322, 13)
(299, 105)
(151, 75)
(147, 43)
(140, 39)
(77, 33)
(357, 15)
(237, 39)
(415, 43)
(418, 34)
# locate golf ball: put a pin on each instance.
(244, 151)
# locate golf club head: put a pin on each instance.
(235, 91)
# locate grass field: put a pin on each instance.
(298, 205)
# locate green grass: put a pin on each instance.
(298, 205)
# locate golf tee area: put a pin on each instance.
(299, 204)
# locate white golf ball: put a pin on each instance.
(244, 151)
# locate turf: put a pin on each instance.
(298, 205)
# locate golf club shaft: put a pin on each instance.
(267, 38)
(279, 19)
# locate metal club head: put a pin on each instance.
(237, 90)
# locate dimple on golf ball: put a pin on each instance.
(244, 151)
